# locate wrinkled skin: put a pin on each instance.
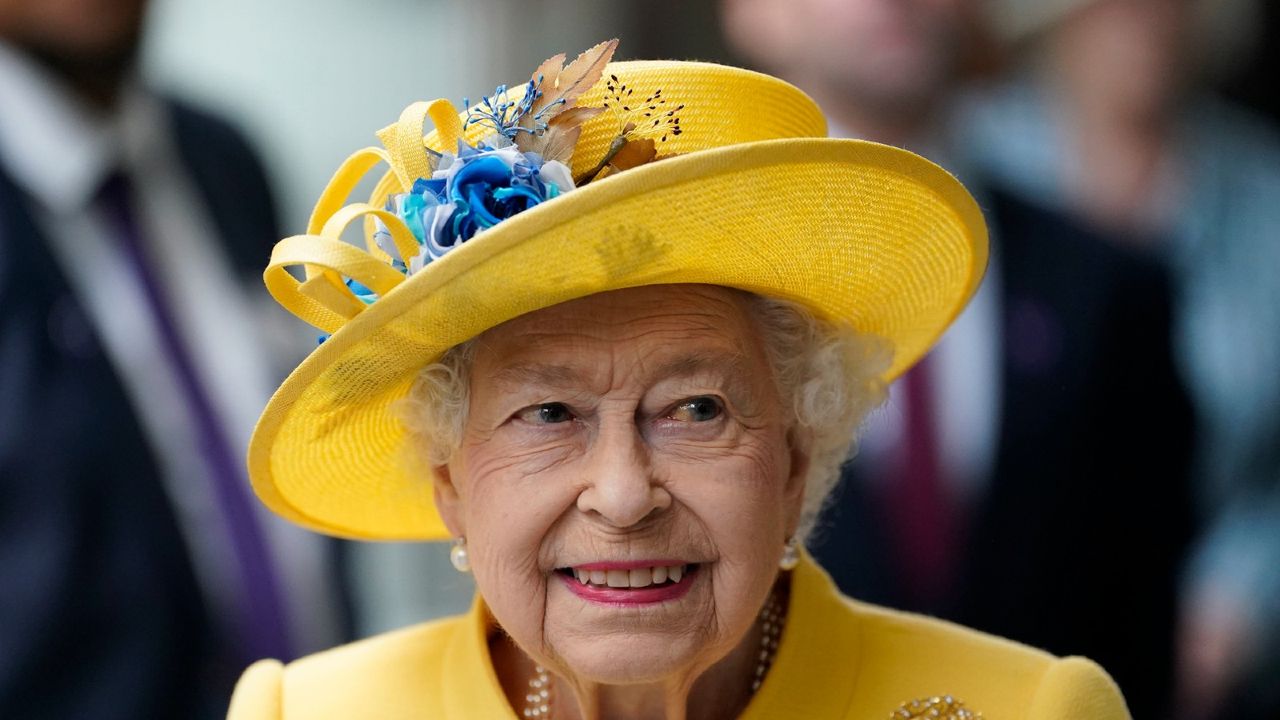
(590, 438)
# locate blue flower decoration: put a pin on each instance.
(472, 191)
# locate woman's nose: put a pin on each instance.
(620, 488)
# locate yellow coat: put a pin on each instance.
(838, 659)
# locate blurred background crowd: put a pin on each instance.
(1088, 462)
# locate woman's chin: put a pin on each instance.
(623, 661)
(605, 640)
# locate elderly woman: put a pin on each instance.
(625, 399)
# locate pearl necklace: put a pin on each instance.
(537, 702)
(771, 622)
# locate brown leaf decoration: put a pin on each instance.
(624, 153)
(544, 78)
(568, 83)
(546, 74)
(558, 144)
(561, 136)
(634, 152)
(575, 116)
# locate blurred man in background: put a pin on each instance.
(1009, 482)
(139, 578)
(1108, 115)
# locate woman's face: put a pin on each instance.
(610, 439)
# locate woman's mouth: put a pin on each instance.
(629, 583)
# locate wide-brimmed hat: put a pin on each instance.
(672, 172)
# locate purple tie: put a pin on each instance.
(261, 623)
(923, 513)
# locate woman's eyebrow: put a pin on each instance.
(538, 374)
(725, 364)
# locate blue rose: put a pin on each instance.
(483, 194)
(478, 189)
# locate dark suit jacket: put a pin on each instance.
(100, 615)
(1075, 545)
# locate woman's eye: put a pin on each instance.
(546, 414)
(699, 409)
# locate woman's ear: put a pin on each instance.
(800, 444)
(448, 501)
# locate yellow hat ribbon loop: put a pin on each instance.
(405, 140)
(387, 186)
(323, 298)
(448, 124)
(405, 242)
(344, 180)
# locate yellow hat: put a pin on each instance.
(743, 189)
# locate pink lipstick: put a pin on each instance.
(644, 582)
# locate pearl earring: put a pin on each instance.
(458, 555)
(790, 554)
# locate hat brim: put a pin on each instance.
(858, 232)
